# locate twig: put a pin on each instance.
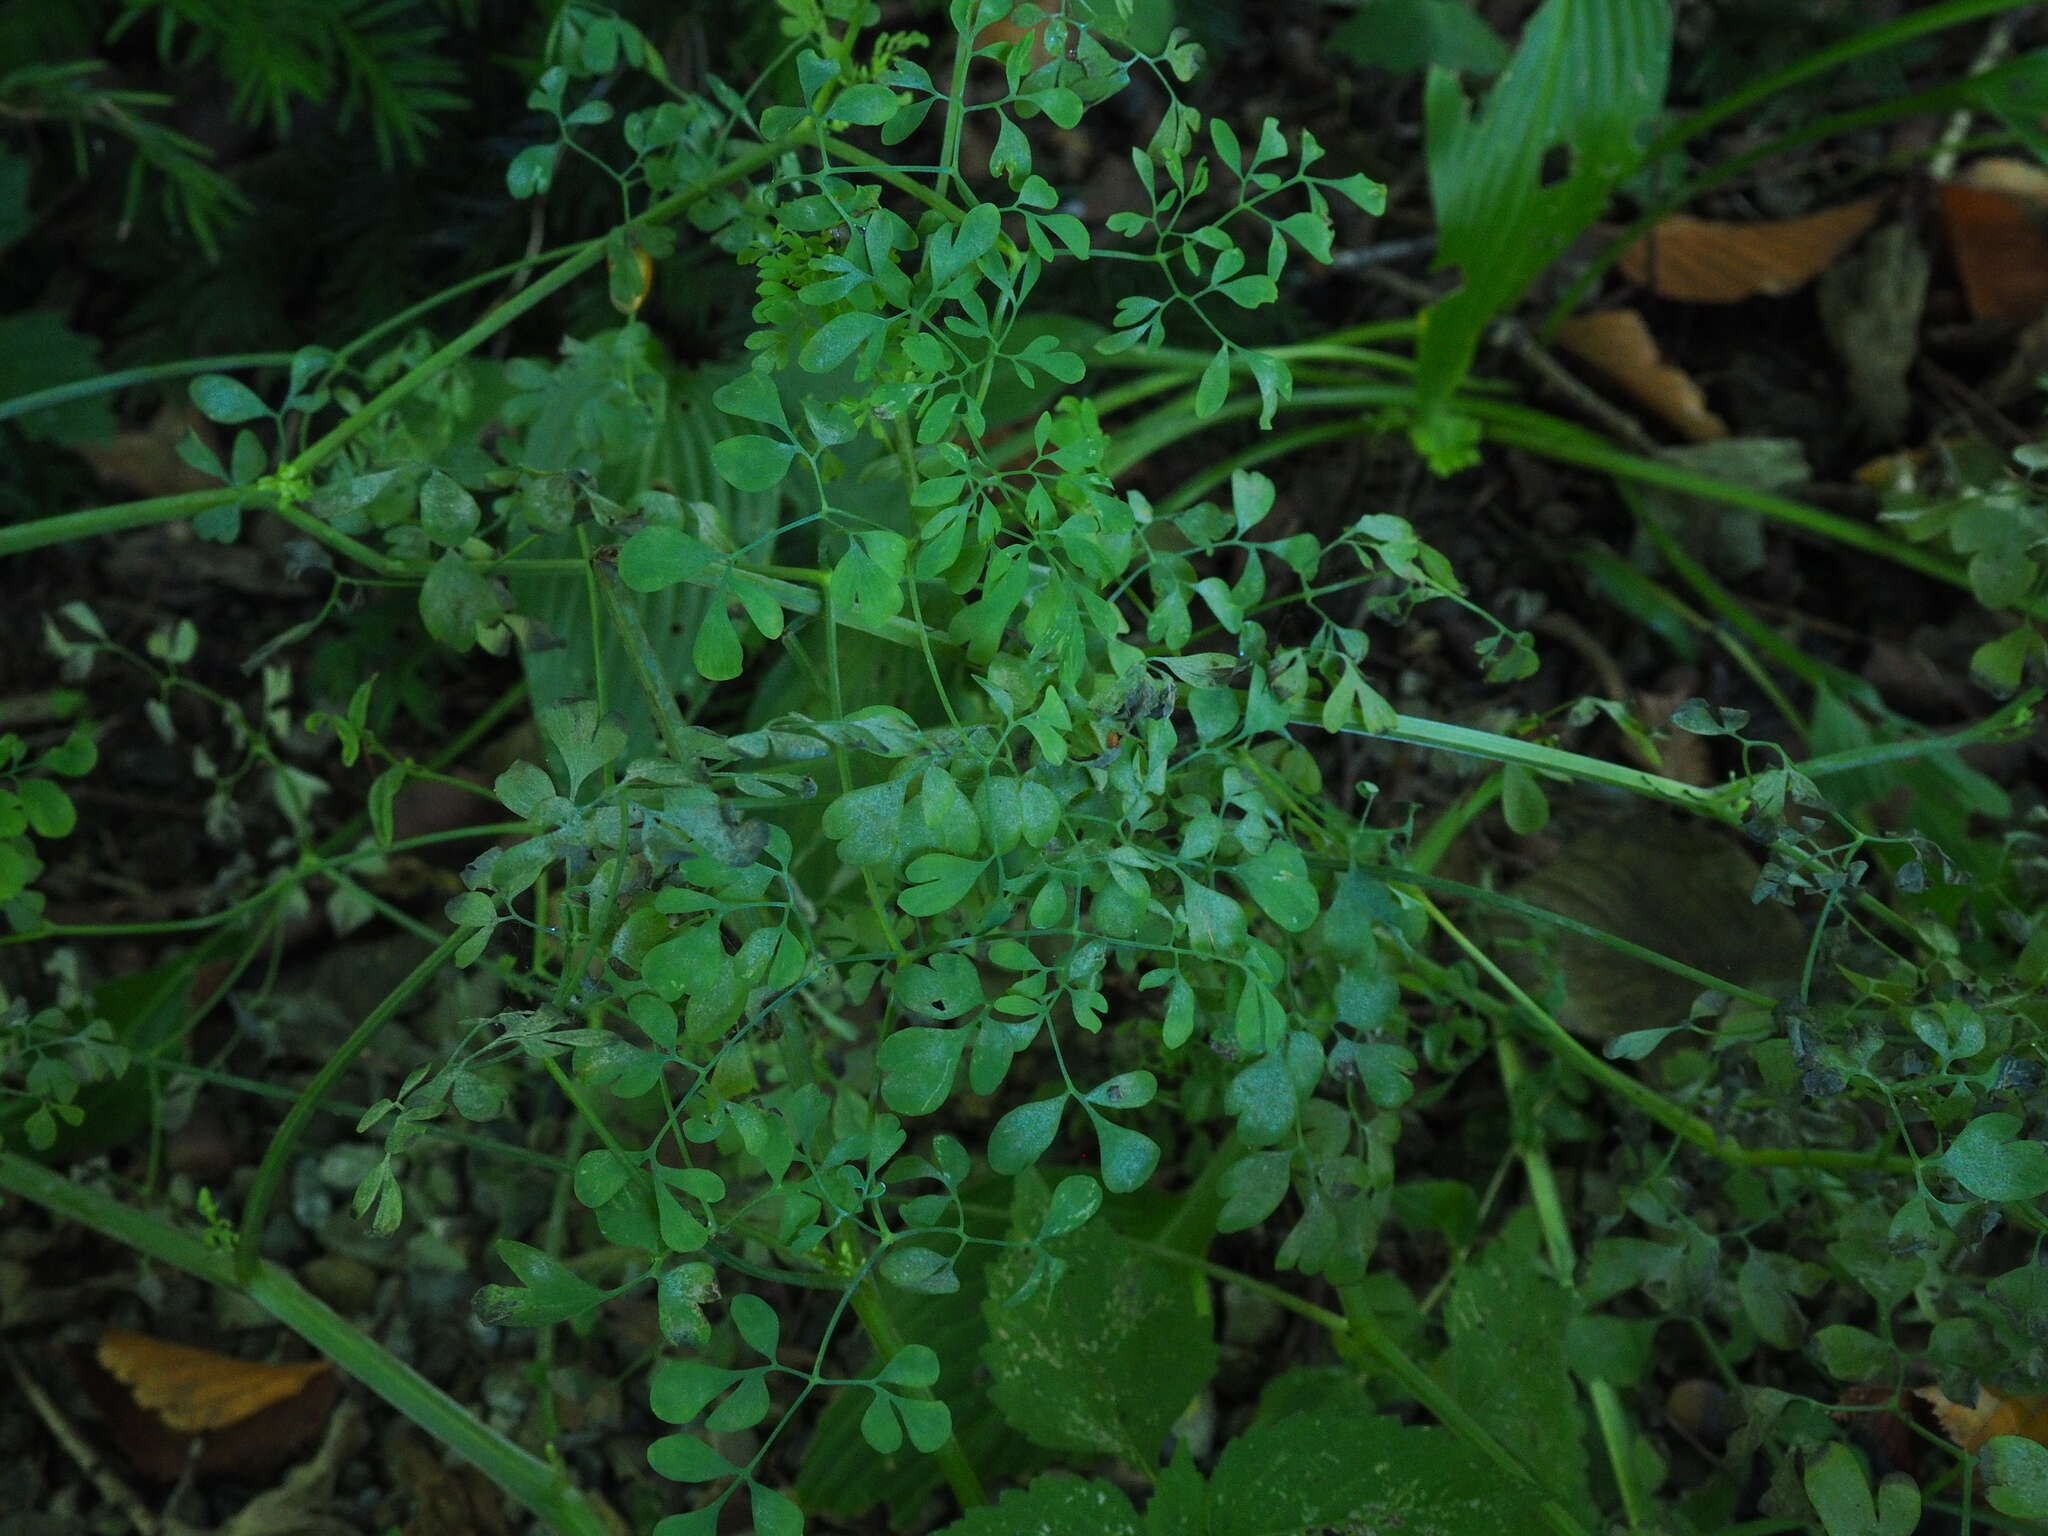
(1997, 44)
(90, 1462)
(1518, 339)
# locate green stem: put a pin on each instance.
(1720, 804)
(1544, 1196)
(1518, 427)
(578, 260)
(531, 1483)
(270, 1174)
(647, 670)
(1542, 916)
(106, 383)
(17, 538)
(1692, 1130)
(1446, 1409)
(1935, 18)
(873, 1312)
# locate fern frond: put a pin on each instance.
(194, 194)
(381, 58)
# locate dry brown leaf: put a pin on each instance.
(1989, 1417)
(250, 1448)
(1618, 345)
(2026, 180)
(1711, 261)
(196, 1390)
(2000, 248)
(146, 461)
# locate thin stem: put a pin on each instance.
(106, 383)
(1935, 18)
(1544, 1196)
(872, 1311)
(271, 1172)
(18, 538)
(524, 1478)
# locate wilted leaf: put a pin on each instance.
(1618, 345)
(1993, 218)
(1711, 261)
(1987, 1418)
(193, 1390)
(1674, 887)
(245, 1418)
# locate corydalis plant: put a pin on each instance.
(1092, 849)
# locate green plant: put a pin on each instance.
(926, 897)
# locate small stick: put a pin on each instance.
(110, 1486)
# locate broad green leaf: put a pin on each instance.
(918, 1067)
(838, 338)
(549, 1291)
(1278, 881)
(1508, 1322)
(1253, 1188)
(225, 400)
(680, 1389)
(684, 1458)
(2016, 1470)
(1994, 1162)
(1840, 1491)
(1586, 78)
(47, 808)
(1128, 1157)
(1053, 1506)
(1074, 1203)
(1022, 1135)
(456, 600)
(448, 513)
(657, 557)
(757, 1323)
(584, 740)
(1105, 1360)
(942, 882)
(751, 462)
(716, 653)
(1308, 1474)
(1522, 801)
(751, 396)
(870, 105)
(1214, 387)
(775, 1514)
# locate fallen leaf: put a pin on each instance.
(195, 1390)
(1618, 345)
(274, 1429)
(2024, 180)
(2000, 249)
(1681, 889)
(146, 461)
(1987, 1418)
(1713, 261)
